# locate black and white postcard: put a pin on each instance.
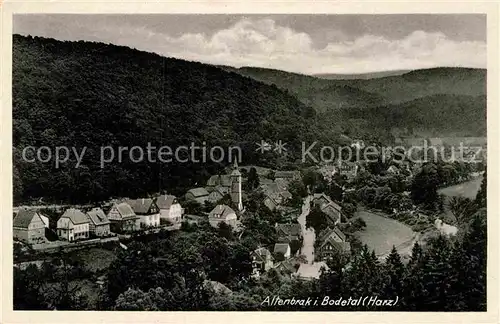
(307, 163)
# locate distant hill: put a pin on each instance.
(360, 76)
(389, 98)
(84, 94)
(391, 89)
(435, 115)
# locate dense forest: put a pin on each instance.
(432, 102)
(84, 94)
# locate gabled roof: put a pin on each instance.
(343, 247)
(339, 233)
(324, 234)
(281, 248)
(75, 215)
(317, 197)
(141, 205)
(221, 211)
(165, 201)
(125, 210)
(97, 216)
(333, 211)
(262, 254)
(198, 192)
(288, 229)
(286, 266)
(327, 233)
(221, 190)
(24, 218)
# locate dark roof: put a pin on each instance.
(321, 197)
(165, 201)
(24, 217)
(141, 205)
(327, 233)
(221, 190)
(332, 212)
(125, 210)
(289, 229)
(286, 266)
(344, 247)
(339, 233)
(281, 247)
(198, 192)
(97, 216)
(324, 234)
(76, 216)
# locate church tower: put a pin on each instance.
(236, 187)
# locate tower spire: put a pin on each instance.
(236, 187)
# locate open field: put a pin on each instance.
(467, 189)
(381, 233)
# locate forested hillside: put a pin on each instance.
(80, 94)
(410, 100)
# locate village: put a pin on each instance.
(293, 252)
(300, 250)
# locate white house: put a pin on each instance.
(73, 225)
(147, 211)
(170, 209)
(222, 213)
(29, 226)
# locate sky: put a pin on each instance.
(308, 44)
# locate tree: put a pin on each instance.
(225, 231)
(253, 179)
(482, 193)
(424, 187)
(364, 277)
(192, 207)
(438, 276)
(317, 220)
(27, 289)
(470, 261)
(298, 191)
(137, 300)
(461, 207)
(394, 270)
(313, 180)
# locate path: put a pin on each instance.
(309, 235)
